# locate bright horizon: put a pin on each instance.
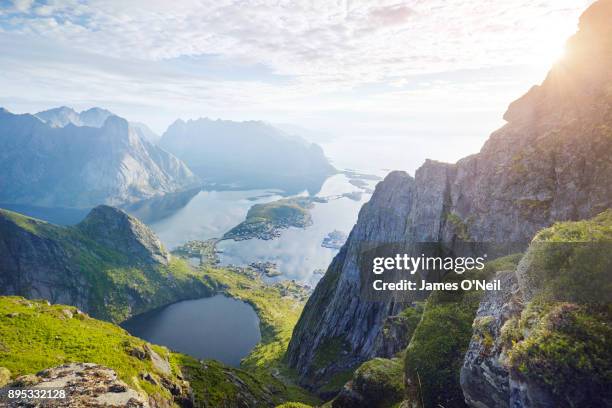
(412, 79)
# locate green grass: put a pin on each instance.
(35, 336)
(562, 338)
(278, 315)
(380, 381)
(434, 356)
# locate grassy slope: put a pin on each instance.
(435, 354)
(35, 336)
(113, 282)
(278, 315)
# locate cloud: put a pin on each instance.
(268, 57)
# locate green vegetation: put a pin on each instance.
(433, 358)
(571, 261)
(328, 352)
(380, 381)
(117, 286)
(278, 307)
(562, 338)
(567, 349)
(460, 226)
(264, 221)
(35, 336)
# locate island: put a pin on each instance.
(269, 269)
(334, 240)
(264, 221)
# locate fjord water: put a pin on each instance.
(298, 251)
(218, 327)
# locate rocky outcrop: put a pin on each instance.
(550, 162)
(116, 229)
(84, 384)
(110, 265)
(546, 347)
(251, 154)
(60, 164)
(484, 379)
(376, 384)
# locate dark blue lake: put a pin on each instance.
(219, 327)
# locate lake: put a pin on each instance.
(219, 327)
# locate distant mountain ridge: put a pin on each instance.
(61, 158)
(251, 154)
(62, 116)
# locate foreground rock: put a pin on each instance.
(547, 344)
(85, 385)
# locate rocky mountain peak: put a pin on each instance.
(118, 230)
(115, 124)
(550, 162)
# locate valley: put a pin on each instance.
(232, 263)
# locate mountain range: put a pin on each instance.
(59, 158)
(250, 154)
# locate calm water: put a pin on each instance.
(209, 214)
(298, 251)
(218, 327)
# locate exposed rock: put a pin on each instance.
(334, 310)
(397, 331)
(86, 385)
(550, 162)
(160, 364)
(484, 378)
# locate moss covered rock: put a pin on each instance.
(377, 383)
(547, 342)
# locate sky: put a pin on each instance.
(393, 82)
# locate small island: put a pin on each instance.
(264, 221)
(334, 240)
(269, 269)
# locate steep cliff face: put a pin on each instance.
(44, 164)
(110, 265)
(335, 322)
(552, 161)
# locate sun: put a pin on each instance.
(549, 43)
